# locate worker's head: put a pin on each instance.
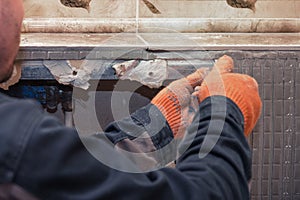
(11, 16)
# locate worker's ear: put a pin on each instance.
(11, 191)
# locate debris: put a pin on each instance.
(122, 68)
(150, 73)
(15, 77)
(76, 73)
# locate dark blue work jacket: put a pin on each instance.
(50, 161)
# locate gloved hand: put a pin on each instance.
(241, 89)
(174, 100)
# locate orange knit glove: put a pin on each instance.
(241, 89)
(175, 99)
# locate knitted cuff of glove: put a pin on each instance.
(170, 106)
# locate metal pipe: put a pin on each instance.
(68, 119)
(66, 102)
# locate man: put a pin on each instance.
(49, 161)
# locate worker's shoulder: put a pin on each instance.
(18, 104)
(18, 113)
(18, 121)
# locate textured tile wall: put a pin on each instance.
(114, 16)
(99, 9)
(168, 9)
(276, 139)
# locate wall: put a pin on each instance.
(168, 8)
(177, 15)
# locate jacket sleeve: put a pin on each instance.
(144, 133)
(56, 164)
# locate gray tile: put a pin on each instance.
(71, 55)
(278, 72)
(267, 124)
(277, 157)
(276, 197)
(278, 92)
(55, 55)
(247, 66)
(296, 187)
(255, 171)
(298, 73)
(288, 92)
(297, 172)
(278, 141)
(296, 196)
(279, 124)
(254, 188)
(105, 54)
(268, 140)
(268, 71)
(268, 91)
(277, 172)
(278, 107)
(255, 141)
(23, 55)
(264, 188)
(288, 123)
(297, 109)
(253, 197)
(38, 55)
(266, 172)
(272, 156)
(297, 120)
(297, 154)
(83, 54)
(275, 187)
(255, 156)
(257, 75)
(268, 110)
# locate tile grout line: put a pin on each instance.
(137, 15)
(143, 40)
(273, 116)
(294, 77)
